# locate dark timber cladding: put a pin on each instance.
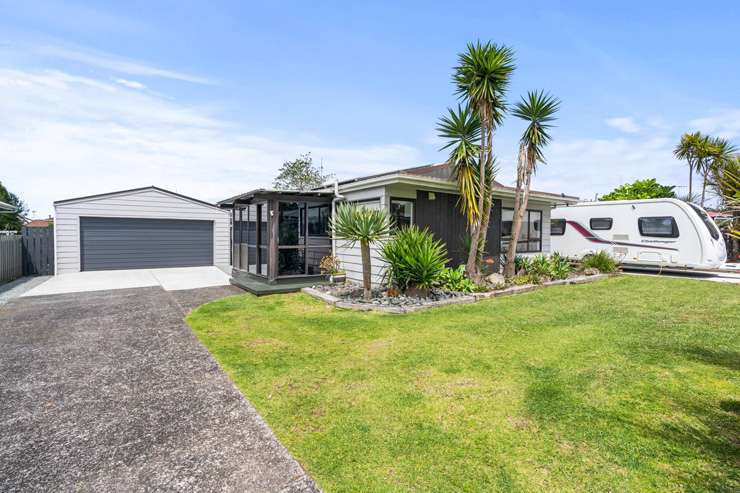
(439, 212)
(126, 243)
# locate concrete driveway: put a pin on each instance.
(111, 391)
(169, 279)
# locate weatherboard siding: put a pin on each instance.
(145, 204)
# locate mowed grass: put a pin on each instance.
(627, 384)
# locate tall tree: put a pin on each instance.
(538, 109)
(300, 174)
(481, 78)
(694, 148)
(13, 221)
(718, 152)
(641, 189)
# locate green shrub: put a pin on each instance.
(455, 280)
(415, 258)
(539, 266)
(601, 261)
(521, 263)
(559, 266)
(525, 279)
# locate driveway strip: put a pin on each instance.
(111, 391)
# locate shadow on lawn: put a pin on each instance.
(668, 445)
(725, 358)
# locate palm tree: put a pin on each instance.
(462, 130)
(694, 149)
(481, 79)
(716, 153)
(538, 109)
(361, 224)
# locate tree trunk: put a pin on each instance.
(523, 178)
(366, 283)
(704, 188)
(472, 267)
(691, 179)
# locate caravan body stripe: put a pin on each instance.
(590, 236)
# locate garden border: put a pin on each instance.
(460, 300)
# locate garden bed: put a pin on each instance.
(350, 296)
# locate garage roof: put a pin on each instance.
(132, 190)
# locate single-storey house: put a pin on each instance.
(281, 235)
(139, 229)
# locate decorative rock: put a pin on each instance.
(590, 271)
(495, 279)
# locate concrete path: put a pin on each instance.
(169, 279)
(14, 289)
(110, 391)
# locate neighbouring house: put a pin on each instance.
(39, 223)
(139, 229)
(281, 235)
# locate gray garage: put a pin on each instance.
(128, 243)
(143, 228)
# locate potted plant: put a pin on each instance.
(330, 267)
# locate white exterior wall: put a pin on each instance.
(144, 204)
(349, 256)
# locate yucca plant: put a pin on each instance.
(601, 261)
(365, 226)
(415, 258)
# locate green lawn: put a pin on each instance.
(628, 384)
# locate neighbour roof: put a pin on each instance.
(38, 223)
(131, 190)
(267, 191)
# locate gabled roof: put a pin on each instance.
(38, 223)
(443, 173)
(133, 190)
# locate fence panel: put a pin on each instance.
(11, 258)
(38, 251)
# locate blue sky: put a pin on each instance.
(210, 98)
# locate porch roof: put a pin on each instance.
(265, 193)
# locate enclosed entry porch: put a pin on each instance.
(279, 239)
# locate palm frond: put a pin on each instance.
(538, 108)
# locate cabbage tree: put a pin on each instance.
(365, 226)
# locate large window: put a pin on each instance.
(251, 233)
(658, 226)
(530, 235)
(303, 237)
(402, 211)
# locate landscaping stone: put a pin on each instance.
(346, 297)
(495, 279)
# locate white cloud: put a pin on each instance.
(725, 124)
(117, 64)
(63, 136)
(130, 83)
(623, 124)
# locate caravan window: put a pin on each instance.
(706, 220)
(658, 226)
(557, 227)
(601, 223)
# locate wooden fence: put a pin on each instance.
(38, 251)
(11, 257)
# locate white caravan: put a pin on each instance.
(663, 233)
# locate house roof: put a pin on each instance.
(38, 223)
(132, 190)
(266, 191)
(442, 172)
